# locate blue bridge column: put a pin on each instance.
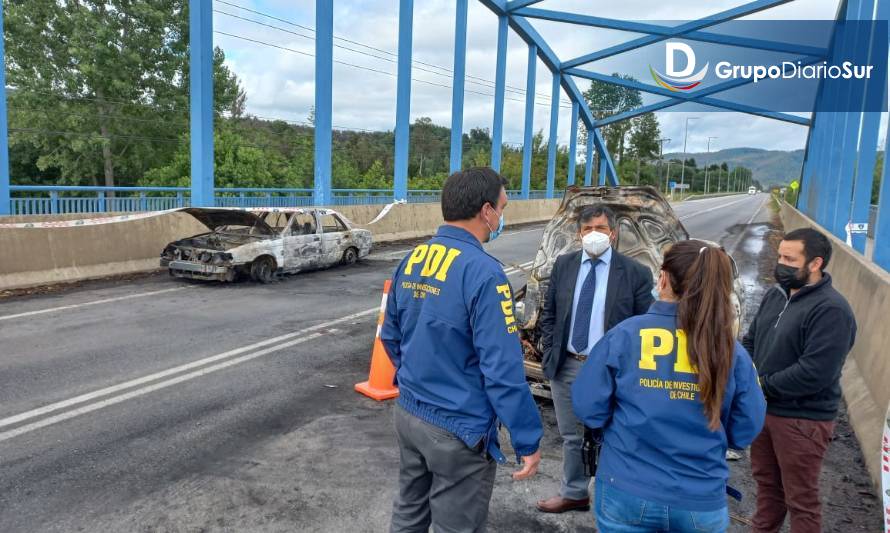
(324, 107)
(529, 121)
(554, 123)
(871, 122)
(201, 101)
(846, 164)
(588, 164)
(457, 94)
(403, 101)
(5, 200)
(500, 82)
(882, 222)
(573, 145)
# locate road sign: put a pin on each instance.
(681, 185)
(794, 185)
(673, 184)
(858, 227)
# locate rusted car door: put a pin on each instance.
(302, 242)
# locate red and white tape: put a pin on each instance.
(885, 471)
(139, 216)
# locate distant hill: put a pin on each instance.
(768, 166)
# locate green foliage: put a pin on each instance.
(99, 87)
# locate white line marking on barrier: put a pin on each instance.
(176, 370)
(97, 302)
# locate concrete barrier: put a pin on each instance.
(39, 256)
(866, 376)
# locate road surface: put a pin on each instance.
(161, 405)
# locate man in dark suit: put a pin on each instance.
(590, 291)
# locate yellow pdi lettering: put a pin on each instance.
(436, 260)
(682, 364)
(433, 259)
(450, 256)
(654, 342)
(417, 257)
(507, 304)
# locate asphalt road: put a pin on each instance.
(159, 405)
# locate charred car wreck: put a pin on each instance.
(262, 243)
(646, 227)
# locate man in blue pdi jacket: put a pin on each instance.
(799, 341)
(452, 337)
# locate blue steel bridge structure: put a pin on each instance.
(835, 181)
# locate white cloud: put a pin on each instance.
(280, 83)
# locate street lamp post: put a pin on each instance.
(661, 158)
(685, 138)
(708, 167)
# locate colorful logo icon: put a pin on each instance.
(682, 80)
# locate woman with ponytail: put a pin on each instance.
(669, 392)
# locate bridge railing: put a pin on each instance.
(47, 200)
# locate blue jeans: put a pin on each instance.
(617, 511)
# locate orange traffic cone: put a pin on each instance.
(380, 380)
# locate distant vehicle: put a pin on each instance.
(646, 227)
(262, 243)
(752, 190)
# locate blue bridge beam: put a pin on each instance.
(500, 81)
(458, 80)
(552, 141)
(201, 101)
(529, 120)
(403, 100)
(324, 67)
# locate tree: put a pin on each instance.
(644, 137)
(99, 87)
(606, 99)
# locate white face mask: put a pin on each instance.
(595, 243)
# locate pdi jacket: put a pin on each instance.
(450, 332)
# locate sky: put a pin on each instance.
(279, 81)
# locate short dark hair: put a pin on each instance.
(597, 210)
(815, 244)
(466, 192)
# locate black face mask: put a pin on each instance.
(789, 277)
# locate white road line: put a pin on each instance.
(759, 207)
(6, 435)
(398, 254)
(738, 241)
(176, 370)
(521, 232)
(514, 270)
(97, 302)
(702, 212)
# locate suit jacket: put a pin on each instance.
(628, 293)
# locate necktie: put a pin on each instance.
(584, 310)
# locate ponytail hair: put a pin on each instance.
(701, 277)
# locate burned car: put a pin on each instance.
(262, 243)
(646, 227)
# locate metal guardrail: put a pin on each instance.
(46, 200)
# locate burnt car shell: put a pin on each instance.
(264, 242)
(647, 225)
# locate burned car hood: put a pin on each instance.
(215, 218)
(646, 225)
